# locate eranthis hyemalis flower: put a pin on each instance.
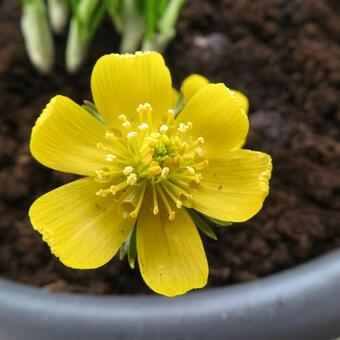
(143, 167)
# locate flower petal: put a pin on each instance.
(64, 138)
(217, 117)
(242, 100)
(121, 82)
(234, 186)
(170, 253)
(83, 230)
(193, 84)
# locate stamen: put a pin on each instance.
(201, 140)
(126, 124)
(155, 170)
(199, 152)
(110, 157)
(128, 170)
(132, 134)
(123, 118)
(172, 214)
(132, 179)
(135, 212)
(101, 192)
(155, 201)
(178, 189)
(101, 147)
(191, 170)
(109, 135)
(143, 109)
(165, 172)
(201, 165)
(115, 188)
(164, 128)
(178, 202)
(170, 116)
(181, 127)
(143, 126)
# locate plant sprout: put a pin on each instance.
(153, 163)
(37, 35)
(142, 24)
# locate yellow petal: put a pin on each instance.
(241, 100)
(64, 138)
(234, 185)
(121, 82)
(83, 230)
(174, 98)
(170, 253)
(217, 117)
(193, 84)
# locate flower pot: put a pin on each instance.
(300, 303)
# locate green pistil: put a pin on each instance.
(163, 151)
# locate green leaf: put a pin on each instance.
(132, 251)
(91, 108)
(201, 224)
(219, 222)
(180, 104)
(129, 248)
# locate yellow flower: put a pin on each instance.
(143, 167)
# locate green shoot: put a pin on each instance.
(58, 11)
(86, 17)
(37, 35)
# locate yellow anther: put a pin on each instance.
(198, 178)
(200, 140)
(114, 189)
(110, 157)
(199, 152)
(171, 112)
(101, 192)
(201, 165)
(155, 201)
(179, 204)
(144, 108)
(191, 170)
(132, 134)
(126, 124)
(123, 118)
(100, 172)
(189, 125)
(100, 146)
(128, 170)
(182, 127)
(172, 216)
(143, 126)
(163, 128)
(154, 170)
(132, 179)
(165, 172)
(109, 135)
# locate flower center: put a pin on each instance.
(166, 158)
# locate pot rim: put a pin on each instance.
(302, 302)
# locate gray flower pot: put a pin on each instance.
(300, 303)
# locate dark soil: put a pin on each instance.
(284, 55)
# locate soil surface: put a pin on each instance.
(284, 55)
